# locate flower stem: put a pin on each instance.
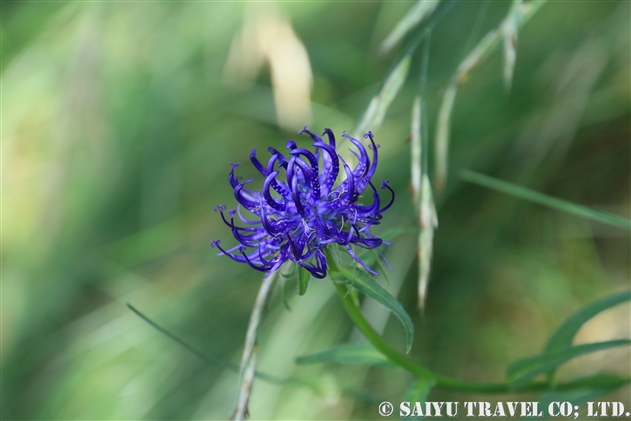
(408, 364)
(248, 360)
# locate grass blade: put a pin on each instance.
(524, 371)
(520, 11)
(545, 200)
(412, 18)
(361, 354)
(213, 360)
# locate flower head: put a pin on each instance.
(296, 216)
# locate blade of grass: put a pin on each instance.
(362, 354)
(479, 53)
(213, 360)
(545, 200)
(370, 118)
(412, 18)
(521, 373)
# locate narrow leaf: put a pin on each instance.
(412, 18)
(542, 199)
(524, 371)
(564, 336)
(577, 397)
(369, 286)
(599, 381)
(585, 389)
(303, 280)
(361, 354)
(216, 361)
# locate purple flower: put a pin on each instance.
(294, 217)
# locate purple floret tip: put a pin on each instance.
(301, 208)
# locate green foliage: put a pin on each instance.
(522, 372)
(412, 18)
(564, 336)
(366, 284)
(362, 354)
(542, 199)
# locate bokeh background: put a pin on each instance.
(119, 121)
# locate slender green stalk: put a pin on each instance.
(375, 339)
(404, 362)
(421, 372)
(248, 360)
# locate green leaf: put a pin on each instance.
(216, 361)
(542, 199)
(303, 280)
(412, 18)
(585, 389)
(369, 286)
(524, 371)
(564, 336)
(362, 354)
(611, 381)
(418, 392)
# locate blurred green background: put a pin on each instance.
(119, 121)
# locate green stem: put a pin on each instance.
(398, 359)
(406, 363)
